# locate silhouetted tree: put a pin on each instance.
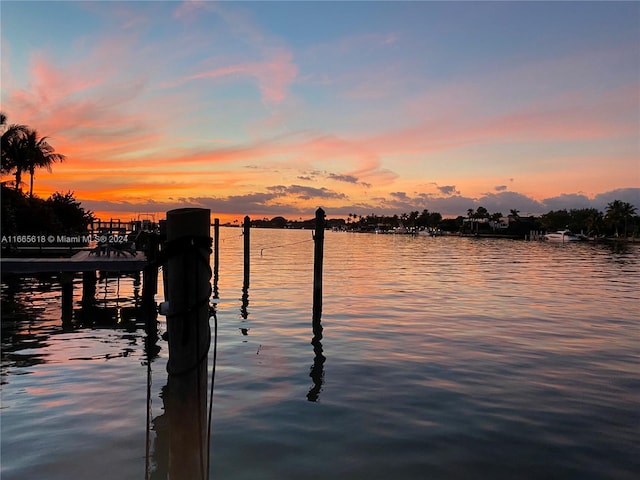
(14, 159)
(594, 221)
(70, 215)
(555, 220)
(482, 212)
(23, 150)
(619, 212)
(279, 222)
(38, 154)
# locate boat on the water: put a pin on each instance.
(563, 236)
(431, 232)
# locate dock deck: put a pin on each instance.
(83, 261)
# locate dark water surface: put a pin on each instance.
(440, 358)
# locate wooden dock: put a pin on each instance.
(83, 261)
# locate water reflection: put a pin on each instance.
(28, 326)
(180, 445)
(244, 313)
(617, 247)
(317, 370)
(25, 334)
(474, 352)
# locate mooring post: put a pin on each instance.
(150, 288)
(246, 229)
(216, 255)
(188, 250)
(150, 271)
(318, 238)
(317, 371)
(165, 277)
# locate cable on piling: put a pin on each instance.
(148, 429)
(183, 246)
(213, 379)
(284, 245)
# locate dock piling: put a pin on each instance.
(216, 255)
(246, 231)
(317, 370)
(318, 238)
(150, 272)
(188, 250)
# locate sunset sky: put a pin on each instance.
(276, 108)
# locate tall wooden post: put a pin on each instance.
(318, 238)
(189, 286)
(149, 289)
(150, 272)
(317, 370)
(165, 277)
(247, 245)
(216, 255)
(189, 274)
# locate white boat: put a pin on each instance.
(562, 236)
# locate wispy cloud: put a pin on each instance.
(274, 75)
(274, 70)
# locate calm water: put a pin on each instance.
(441, 358)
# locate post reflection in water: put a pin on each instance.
(317, 369)
(180, 448)
(181, 445)
(245, 302)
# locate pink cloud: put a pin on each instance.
(274, 75)
(274, 72)
(96, 107)
(609, 115)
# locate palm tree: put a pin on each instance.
(24, 151)
(618, 211)
(482, 212)
(13, 154)
(471, 215)
(39, 154)
(594, 221)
